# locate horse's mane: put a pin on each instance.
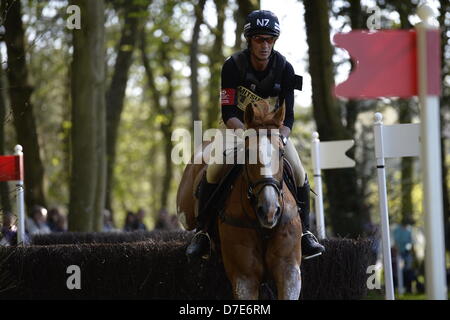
(260, 117)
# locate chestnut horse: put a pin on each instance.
(260, 228)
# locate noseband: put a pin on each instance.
(278, 186)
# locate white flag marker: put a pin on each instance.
(327, 155)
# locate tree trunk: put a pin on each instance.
(247, 6)
(115, 95)
(404, 116)
(166, 127)
(168, 111)
(216, 60)
(407, 173)
(244, 8)
(352, 106)
(4, 191)
(445, 113)
(20, 93)
(193, 58)
(168, 167)
(156, 100)
(87, 187)
(66, 127)
(345, 207)
(240, 21)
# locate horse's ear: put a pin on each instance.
(249, 114)
(279, 114)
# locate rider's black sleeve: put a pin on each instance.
(287, 94)
(229, 84)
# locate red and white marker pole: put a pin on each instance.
(18, 151)
(428, 44)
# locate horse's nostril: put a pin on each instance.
(260, 211)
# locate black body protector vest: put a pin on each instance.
(268, 88)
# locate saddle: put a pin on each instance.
(224, 187)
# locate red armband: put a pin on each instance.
(227, 96)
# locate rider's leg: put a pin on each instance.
(200, 244)
(310, 246)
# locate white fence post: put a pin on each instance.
(320, 220)
(387, 260)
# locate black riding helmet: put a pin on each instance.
(261, 22)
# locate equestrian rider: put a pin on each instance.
(259, 72)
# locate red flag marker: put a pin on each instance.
(11, 168)
(386, 64)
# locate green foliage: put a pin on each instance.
(136, 165)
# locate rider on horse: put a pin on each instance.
(257, 73)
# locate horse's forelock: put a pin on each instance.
(263, 118)
(263, 106)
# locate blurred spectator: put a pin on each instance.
(139, 224)
(166, 221)
(55, 220)
(403, 241)
(8, 230)
(174, 221)
(129, 221)
(372, 233)
(61, 225)
(108, 224)
(37, 223)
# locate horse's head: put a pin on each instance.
(264, 163)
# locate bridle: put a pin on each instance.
(263, 182)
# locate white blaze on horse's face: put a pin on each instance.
(269, 154)
(268, 205)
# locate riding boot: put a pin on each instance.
(310, 246)
(200, 245)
